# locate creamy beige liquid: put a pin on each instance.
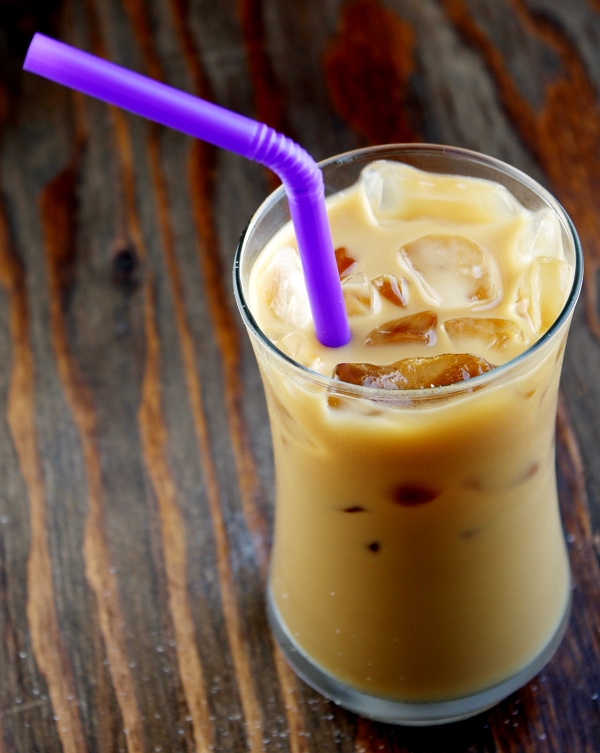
(418, 550)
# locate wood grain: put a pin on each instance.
(136, 510)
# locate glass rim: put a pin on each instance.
(419, 394)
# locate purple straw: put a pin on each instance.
(301, 176)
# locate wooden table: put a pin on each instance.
(136, 503)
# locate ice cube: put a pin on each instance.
(287, 426)
(346, 264)
(351, 404)
(542, 236)
(453, 271)
(414, 328)
(394, 191)
(493, 333)
(394, 289)
(299, 346)
(549, 280)
(411, 495)
(283, 288)
(359, 295)
(414, 373)
(292, 343)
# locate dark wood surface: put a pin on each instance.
(137, 481)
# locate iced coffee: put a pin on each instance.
(419, 571)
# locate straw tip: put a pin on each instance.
(335, 337)
(29, 63)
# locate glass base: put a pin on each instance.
(388, 710)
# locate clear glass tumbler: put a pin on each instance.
(416, 613)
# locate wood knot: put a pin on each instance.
(125, 267)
